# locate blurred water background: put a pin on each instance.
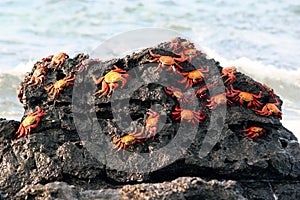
(261, 38)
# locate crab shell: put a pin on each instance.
(254, 132)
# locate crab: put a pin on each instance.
(128, 140)
(31, 121)
(151, 123)
(175, 92)
(57, 60)
(194, 77)
(166, 61)
(230, 73)
(254, 132)
(38, 75)
(188, 115)
(175, 43)
(110, 81)
(190, 54)
(201, 92)
(270, 109)
(59, 85)
(83, 65)
(21, 92)
(217, 100)
(242, 97)
(187, 45)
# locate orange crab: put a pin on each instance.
(177, 93)
(217, 100)
(194, 77)
(254, 132)
(38, 75)
(166, 61)
(57, 60)
(31, 121)
(270, 109)
(242, 97)
(190, 54)
(230, 73)
(110, 81)
(128, 140)
(151, 123)
(59, 85)
(188, 115)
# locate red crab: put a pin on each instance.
(38, 75)
(166, 61)
(177, 93)
(254, 132)
(83, 65)
(194, 77)
(31, 121)
(151, 123)
(217, 100)
(21, 92)
(188, 115)
(110, 81)
(230, 73)
(190, 54)
(270, 109)
(201, 92)
(59, 85)
(242, 97)
(57, 60)
(175, 43)
(128, 140)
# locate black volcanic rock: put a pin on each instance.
(70, 155)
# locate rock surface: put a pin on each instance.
(58, 159)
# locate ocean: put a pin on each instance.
(260, 38)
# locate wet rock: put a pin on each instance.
(73, 143)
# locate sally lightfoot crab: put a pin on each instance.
(31, 121)
(177, 93)
(128, 140)
(270, 109)
(152, 123)
(166, 61)
(110, 81)
(188, 115)
(38, 76)
(57, 60)
(241, 97)
(217, 100)
(230, 73)
(194, 77)
(254, 132)
(60, 85)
